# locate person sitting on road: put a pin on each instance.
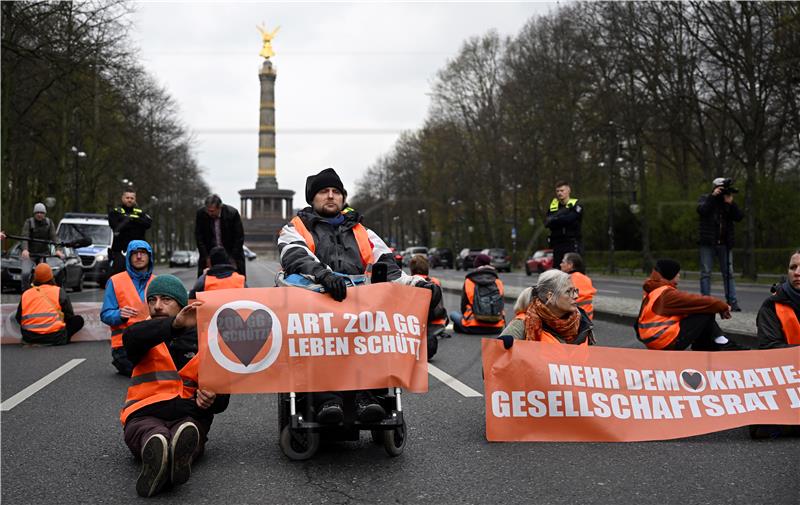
(166, 416)
(325, 240)
(418, 265)
(45, 314)
(670, 319)
(574, 266)
(778, 320)
(482, 306)
(221, 275)
(124, 300)
(552, 316)
(37, 227)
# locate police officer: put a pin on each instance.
(564, 220)
(128, 222)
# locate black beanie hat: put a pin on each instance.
(328, 178)
(668, 268)
(218, 256)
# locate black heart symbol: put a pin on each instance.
(693, 379)
(244, 338)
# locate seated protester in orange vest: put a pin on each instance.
(672, 320)
(572, 263)
(419, 266)
(166, 416)
(326, 239)
(45, 313)
(482, 305)
(124, 301)
(552, 316)
(221, 275)
(778, 321)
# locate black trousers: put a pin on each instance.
(62, 337)
(699, 331)
(117, 263)
(562, 248)
(139, 429)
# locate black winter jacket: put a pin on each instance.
(128, 223)
(716, 220)
(564, 223)
(232, 236)
(770, 331)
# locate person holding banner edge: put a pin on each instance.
(327, 239)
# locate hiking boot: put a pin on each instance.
(154, 466)
(368, 410)
(184, 444)
(330, 413)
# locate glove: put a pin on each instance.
(436, 293)
(508, 341)
(335, 285)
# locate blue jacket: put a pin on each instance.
(110, 311)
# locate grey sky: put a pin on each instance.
(351, 77)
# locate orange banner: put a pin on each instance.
(549, 392)
(270, 340)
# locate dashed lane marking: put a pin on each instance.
(452, 382)
(40, 384)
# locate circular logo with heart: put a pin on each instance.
(244, 327)
(692, 380)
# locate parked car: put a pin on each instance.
(182, 259)
(540, 261)
(68, 273)
(411, 251)
(500, 258)
(94, 258)
(440, 257)
(248, 254)
(466, 258)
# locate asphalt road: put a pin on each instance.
(64, 444)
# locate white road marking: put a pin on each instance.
(38, 385)
(608, 291)
(453, 383)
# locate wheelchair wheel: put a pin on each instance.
(298, 445)
(394, 440)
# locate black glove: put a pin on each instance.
(335, 285)
(436, 293)
(508, 341)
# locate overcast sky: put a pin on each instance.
(351, 77)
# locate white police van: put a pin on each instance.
(94, 258)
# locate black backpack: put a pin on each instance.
(488, 303)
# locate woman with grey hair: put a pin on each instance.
(552, 315)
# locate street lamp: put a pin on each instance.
(514, 188)
(77, 154)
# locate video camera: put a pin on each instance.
(726, 183)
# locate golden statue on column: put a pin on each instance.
(266, 37)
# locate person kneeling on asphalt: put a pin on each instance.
(482, 305)
(166, 416)
(552, 315)
(419, 266)
(221, 275)
(45, 314)
(672, 320)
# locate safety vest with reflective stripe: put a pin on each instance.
(127, 295)
(469, 317)
(156, 379)
(554, 204)
(548, 338)
(360, 232)
(586, 292)
(789, 323)
(235, 280)
(41, 312)
(443, 320)
(654, 330)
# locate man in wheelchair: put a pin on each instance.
(326, 239)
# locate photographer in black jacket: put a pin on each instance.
(718, 212)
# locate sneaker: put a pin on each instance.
(369, 411)
(184, 444)
(735, 307)
(154, 466)
(330, 413)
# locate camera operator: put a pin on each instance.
(718, 212)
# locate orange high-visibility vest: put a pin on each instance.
(654, 330)
(441, 321)
(360, 232)
(521, 316)
(586, 292)
(41, 312)
(235, 280)
(156, 379)
(548, 338)
(469, 317)
(789, 323)
(127, 295)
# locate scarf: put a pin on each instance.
(334, 221)
(538, 313)
(791, 293)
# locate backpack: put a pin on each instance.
(487, 303)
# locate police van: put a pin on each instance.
(94, 258)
